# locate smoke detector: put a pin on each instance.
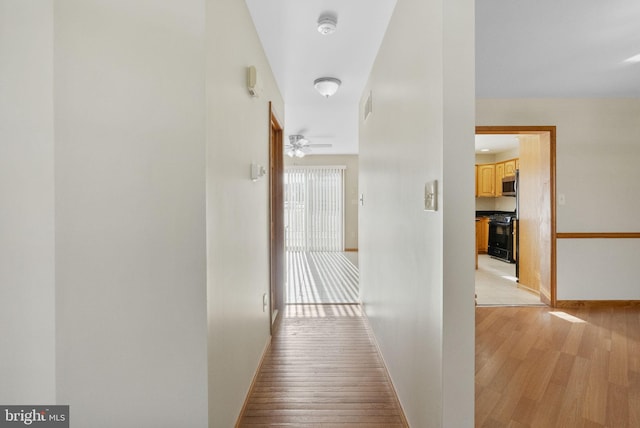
(327, 23)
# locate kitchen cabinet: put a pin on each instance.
(510, 167)
(499, 177)
(489, 177)
(482, 234)
(486, 180)
(476, 175)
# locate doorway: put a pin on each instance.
(276, 218)
(314, 208)
(321, 224)
(535, 225)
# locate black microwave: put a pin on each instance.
(510, 185)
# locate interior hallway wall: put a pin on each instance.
(237, 208)
(597, 158)
(417, 267)
(350, 188)
(129, 102)
(27, 284)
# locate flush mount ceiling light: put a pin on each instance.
(327, 23)
(327, 86)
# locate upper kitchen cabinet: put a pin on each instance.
(510, 167)
(486, 180)
(489, 177)
(499, 177)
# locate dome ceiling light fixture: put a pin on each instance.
(327, 23)
(327, 86)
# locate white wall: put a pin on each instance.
(416, 266)
(237, 208)
(350, 188)
(130, 212)
(27, 304)
(598, 269)
(597, 158)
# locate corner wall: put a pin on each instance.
(416, 267)
(27, 284)
(597, 158)
(130, 212)
(237, 208)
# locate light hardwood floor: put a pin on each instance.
(322, 370)
(540, 367)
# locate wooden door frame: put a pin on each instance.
(551, 130)
(276, 219)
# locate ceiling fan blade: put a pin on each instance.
(320, 137)
(319, 145)
(305, 149)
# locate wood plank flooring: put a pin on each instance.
(540, 367)
(322, 370)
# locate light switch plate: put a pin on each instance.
(257, 171)
(431, 196)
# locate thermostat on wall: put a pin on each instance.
(431, 196)
(253, 82)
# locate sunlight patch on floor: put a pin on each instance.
(565, 316)
(321, 277)
(322, 311)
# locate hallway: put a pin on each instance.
(323, 369)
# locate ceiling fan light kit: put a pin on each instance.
(327, 86)
(299, 146)
(298, 153)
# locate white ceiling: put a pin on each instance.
(494, 144)
(559, 49)
(299, 54)
(533, 49)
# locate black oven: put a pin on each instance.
(501, 237)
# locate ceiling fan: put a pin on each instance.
(299, 146)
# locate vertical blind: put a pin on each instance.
(314, 208)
